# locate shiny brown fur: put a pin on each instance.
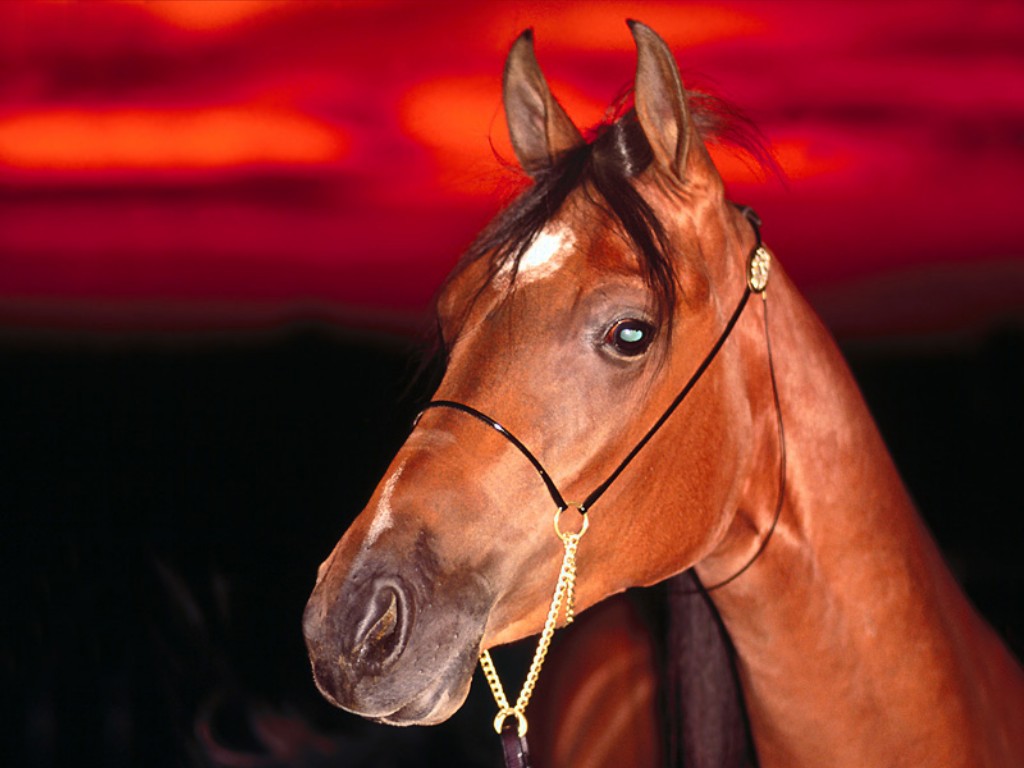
(855, 646)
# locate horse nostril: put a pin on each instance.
(380, 637)
(381, 630)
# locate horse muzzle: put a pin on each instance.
(395, 639)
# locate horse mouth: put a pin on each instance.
(396, 638)
(433, 705)
(414, 698)
(394, 650)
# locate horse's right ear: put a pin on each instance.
(539, 127)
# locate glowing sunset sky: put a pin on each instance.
(171, 165)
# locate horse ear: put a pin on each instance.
(661, 106)
(539, 127)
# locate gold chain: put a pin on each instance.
(565, 589)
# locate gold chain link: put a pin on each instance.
(565, 588)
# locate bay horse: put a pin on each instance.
(600, 345)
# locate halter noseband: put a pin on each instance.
(758, 267)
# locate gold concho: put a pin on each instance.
(757, 272)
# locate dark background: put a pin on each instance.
(167, 505)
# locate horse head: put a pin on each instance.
(573, 321)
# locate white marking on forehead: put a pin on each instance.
(544, 257)
(384, 518)
(547, 252)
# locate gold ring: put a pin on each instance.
(586, 521)
(499, 720)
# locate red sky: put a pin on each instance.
(196, 165)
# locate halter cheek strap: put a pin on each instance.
(585, 505)
(758, 267)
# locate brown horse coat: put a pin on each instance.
(854, 644)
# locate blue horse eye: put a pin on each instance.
(630, 337)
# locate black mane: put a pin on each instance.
(604, 167)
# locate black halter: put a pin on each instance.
(758, 265)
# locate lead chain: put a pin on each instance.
(565, 589)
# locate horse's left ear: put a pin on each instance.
(662, 109)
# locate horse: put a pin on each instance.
(608, 338)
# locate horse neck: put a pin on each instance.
(852, 638)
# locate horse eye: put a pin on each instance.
(630, 337)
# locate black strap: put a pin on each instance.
(781, 493)
(584, 507)
(517, 754)
(552, 488)
(599, 491)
